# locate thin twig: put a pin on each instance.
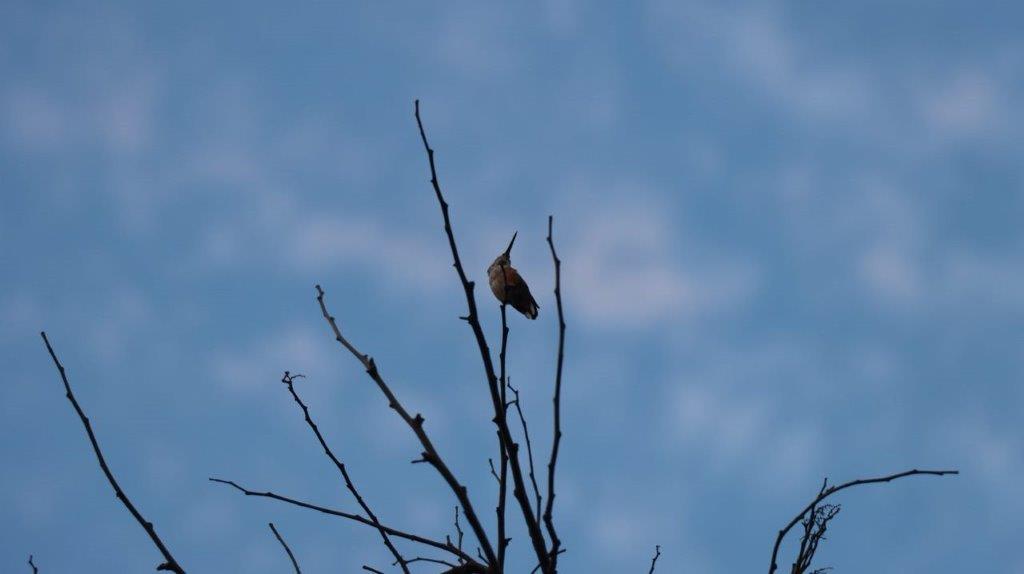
(830, 490)
(429, 454)
(169, 564)
(432, 561)
(654, 561)
(529, 445)
(557, 401)
(500, 420)
(289, 381)
(280, 539)
(33, 565)
(537, 567)
(447, 547)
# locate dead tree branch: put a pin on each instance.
(289, 380)
(557, 401)
(429, 454)
(280, 539)
(169, 564)
(445, 546)
(503, 540)
(529, 445)
(654, 560)
(33, 565)
(827, 491)
(500, 420)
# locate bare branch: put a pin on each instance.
(429, 454)
(458, 528)
(654, 561)
(289, 381)
(815, 526)
(169, 564)
(500, 420)
(529, 445)
(432, 561)
(503, 540)
(291, 556)
(827, 491)
(447, 547)
(557, 400)
(33, 565)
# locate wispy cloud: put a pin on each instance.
(753, 44)
(628, 265)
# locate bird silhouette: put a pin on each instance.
(508, 286)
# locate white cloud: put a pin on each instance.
(731, 406)
(474, 40)
(992, 455)
(298, 349)
(33, 120)
(890, 272)
(323, 242)
(115, 115)
(627, 266)
(124, 315)
(561, 16)
(753, 43)
(969, 104)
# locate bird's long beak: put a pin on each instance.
(508, 250)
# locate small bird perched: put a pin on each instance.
(508, 286)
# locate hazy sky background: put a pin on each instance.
(792, 244)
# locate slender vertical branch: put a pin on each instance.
(500, 420)
(503, 539)
(169, 564)
(557, 401)
(280, 539)
(33, 565)
(529, 445)
(458, 531)
(429, 454)
(654, 561)
(289, 380)
(827, 491)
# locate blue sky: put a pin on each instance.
(791, 241)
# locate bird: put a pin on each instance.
(508, 286)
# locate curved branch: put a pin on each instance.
(289, 381)
(169, 564)
(451, 549)
(291, 556)
(500, 419)
(830, 490)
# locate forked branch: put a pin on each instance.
(500, 419)
(394, 532)
(827, 491)
(654, 559)
(289, 380)
(169, 563)
(429, 454)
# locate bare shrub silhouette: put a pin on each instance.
(536, 509)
